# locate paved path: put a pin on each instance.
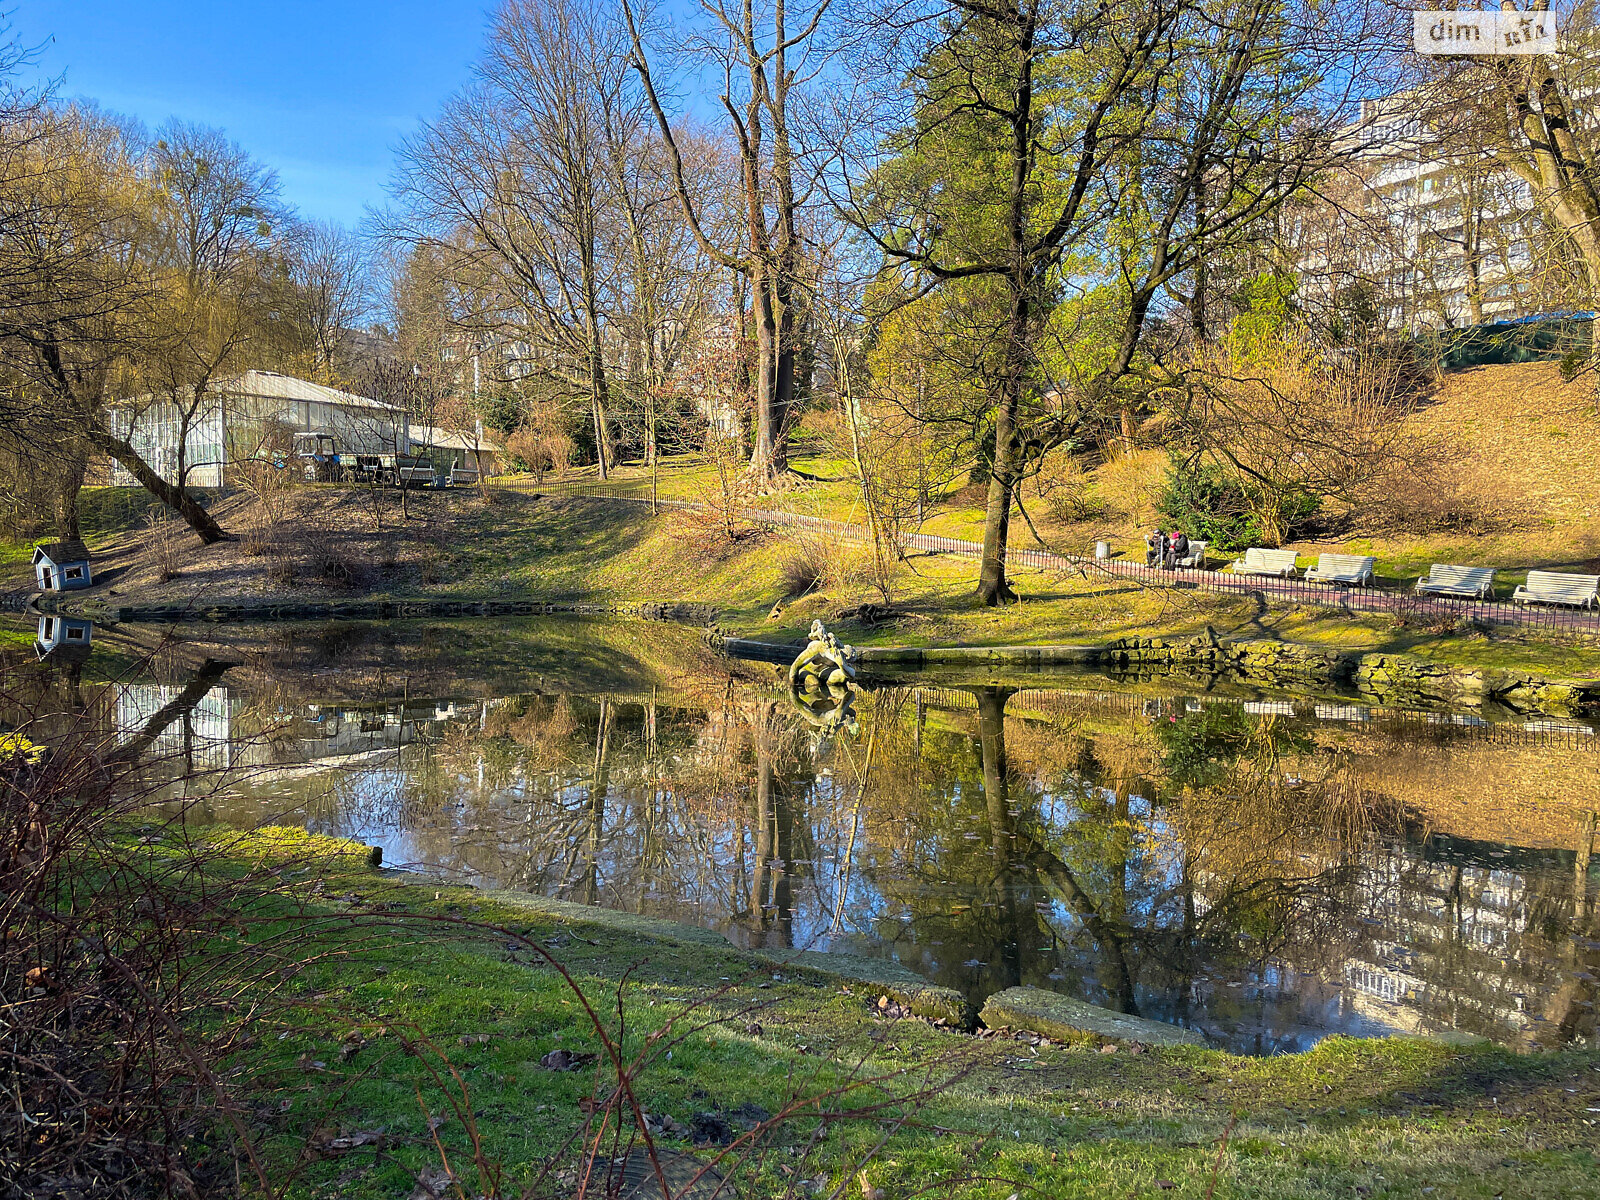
(1437, 609)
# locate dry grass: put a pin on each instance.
(327, 540)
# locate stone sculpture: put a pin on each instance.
(823, 664)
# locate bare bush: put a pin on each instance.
(1429, 495)
(1130, 485)
(542, 442)
(1067, 490)
(332, 560)
(163, 535)
(802, 571)
(265, 469)
(117, 998)
(1282, 420)
(280, 567)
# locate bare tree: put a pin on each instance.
(329, 271)
(662, 287)
(508, 186)
(82, 305)
(764, 54)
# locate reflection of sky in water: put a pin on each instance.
(1386, 930)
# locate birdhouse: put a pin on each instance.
(62, 637)
(62, 566)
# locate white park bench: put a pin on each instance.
(1559, 587)
(1475, 583)
(1196, 556)
(1257, 561)
(1354, 569)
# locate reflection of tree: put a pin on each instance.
(1014, 849)
(991, 850)
(1200, 749)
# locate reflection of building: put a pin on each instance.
(201, 735)
(234, 424)
(1447, 947)
(217, 734)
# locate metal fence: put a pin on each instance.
(1421, 609)
(1067, 704)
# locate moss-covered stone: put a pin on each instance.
(884, 976)
(1067, 1019)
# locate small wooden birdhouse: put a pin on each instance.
(62, 566)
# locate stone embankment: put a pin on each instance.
(1398, 679)
(389, 609)
(1389, 678)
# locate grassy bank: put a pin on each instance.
(426, 1022)
(1526, 482)
(575, 548)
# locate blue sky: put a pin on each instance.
(320, 92)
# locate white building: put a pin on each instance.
(1431, 234)
(237, 420)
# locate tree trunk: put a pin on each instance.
(1020, 278)
(69, 483)
(601, 453)
(174, 497)
(774, 385)
(992, 586)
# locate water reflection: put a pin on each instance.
(1268, 871)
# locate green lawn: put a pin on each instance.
(450, 1013)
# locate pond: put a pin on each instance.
(1267, 869)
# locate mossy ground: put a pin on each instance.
(446, 1007)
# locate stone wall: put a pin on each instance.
(1388, 678)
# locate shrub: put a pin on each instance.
(1208, 506)
(163, 543)
(126, 948)
(332, 562)
(1129, 485)
(1067, 490)
(802, 571)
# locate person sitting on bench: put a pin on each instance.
(1177, 548)
(1155, 548)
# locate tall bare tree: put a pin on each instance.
(509, 185)
(328, 271)
(764, 54)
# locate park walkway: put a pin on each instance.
(1378, 599)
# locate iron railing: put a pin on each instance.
(1422, 609)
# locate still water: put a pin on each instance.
(1267, 869)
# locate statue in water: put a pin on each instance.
(823, 663)
(822, 680)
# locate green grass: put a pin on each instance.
(574, 548)
(593, 549)
(438, 1002)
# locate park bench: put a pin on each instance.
(1196, 556)
(1354, 569)
(1257, 561)
(1476, 583)
(1559, 587)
